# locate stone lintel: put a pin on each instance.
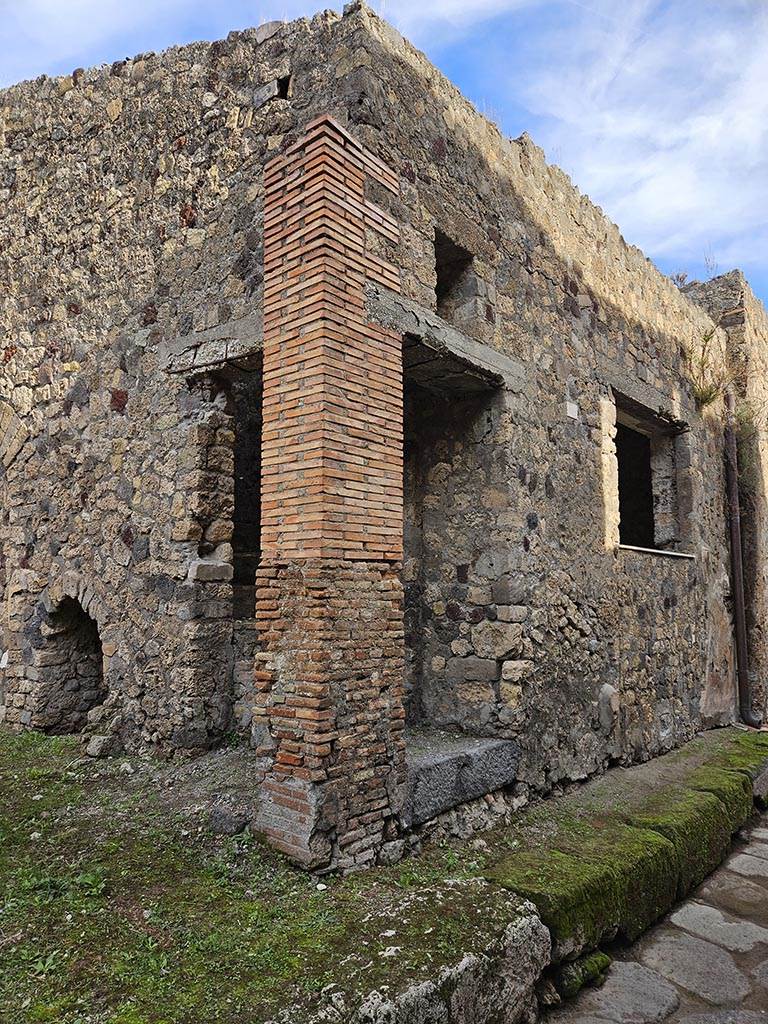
(473, 358)
(230, 342)
(673, 411)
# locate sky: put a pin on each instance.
(657, 110)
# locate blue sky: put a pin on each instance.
(657, 110)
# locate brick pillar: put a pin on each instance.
(328, 592)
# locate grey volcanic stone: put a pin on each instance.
(757, 848)
(632, 994)
(392, 852)
(102, 746)
(746, 864)
(735, 894)
(226, 821)
(761, 974)
(471, 670)
(445, 770)
(695, 965)
(726, 1017)
(710, 923)
(760, 786)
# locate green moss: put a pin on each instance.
(120, 911)
(594, 881)
(114, 909)
(571, 977)
(733, 789)
(613, 857)
(745, 751)
(696, 823)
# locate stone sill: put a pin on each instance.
(656, 551)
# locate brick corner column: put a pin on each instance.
(328, 590)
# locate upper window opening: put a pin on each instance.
(453, 268)
(633, 451)
(647, 471)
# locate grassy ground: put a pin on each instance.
(119, 906)
(113, 909)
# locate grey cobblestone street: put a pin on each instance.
(706, 963)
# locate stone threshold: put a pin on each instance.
(446, 770)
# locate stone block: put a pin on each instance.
(101, 746)
(210, 571)
(510, 694)
(470, 669)
(511, 612)
(497, 639)
(508, 590)
(514, 671)
(445, 771)
(698, 966)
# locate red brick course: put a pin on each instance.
(328, 592)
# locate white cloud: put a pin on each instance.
(657, 108)
(37, 36)
(421, 21)
(660, 113)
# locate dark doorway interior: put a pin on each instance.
(454, 278)
(246, 405)
(71, 672)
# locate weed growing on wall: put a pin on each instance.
(709, 371)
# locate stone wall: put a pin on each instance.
(131, 258)
(621, 654)
(132, 264)
(731, 303)
(464, 610)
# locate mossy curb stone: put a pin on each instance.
(571, 977)
(609, 860)
(501, 950)
(595, 884)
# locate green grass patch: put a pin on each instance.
(114, 910)
(119, 907)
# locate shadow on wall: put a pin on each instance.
(70, 669)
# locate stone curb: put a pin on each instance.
(524, 968)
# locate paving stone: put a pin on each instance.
(710, 923)
(695, 965)
(757, 833)
(726, 1017)
(761, 974)
(573, 1015)
(736, 894)
(632, 994)
(757, 849)
(746, 864)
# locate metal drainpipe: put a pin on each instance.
(748, 716)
